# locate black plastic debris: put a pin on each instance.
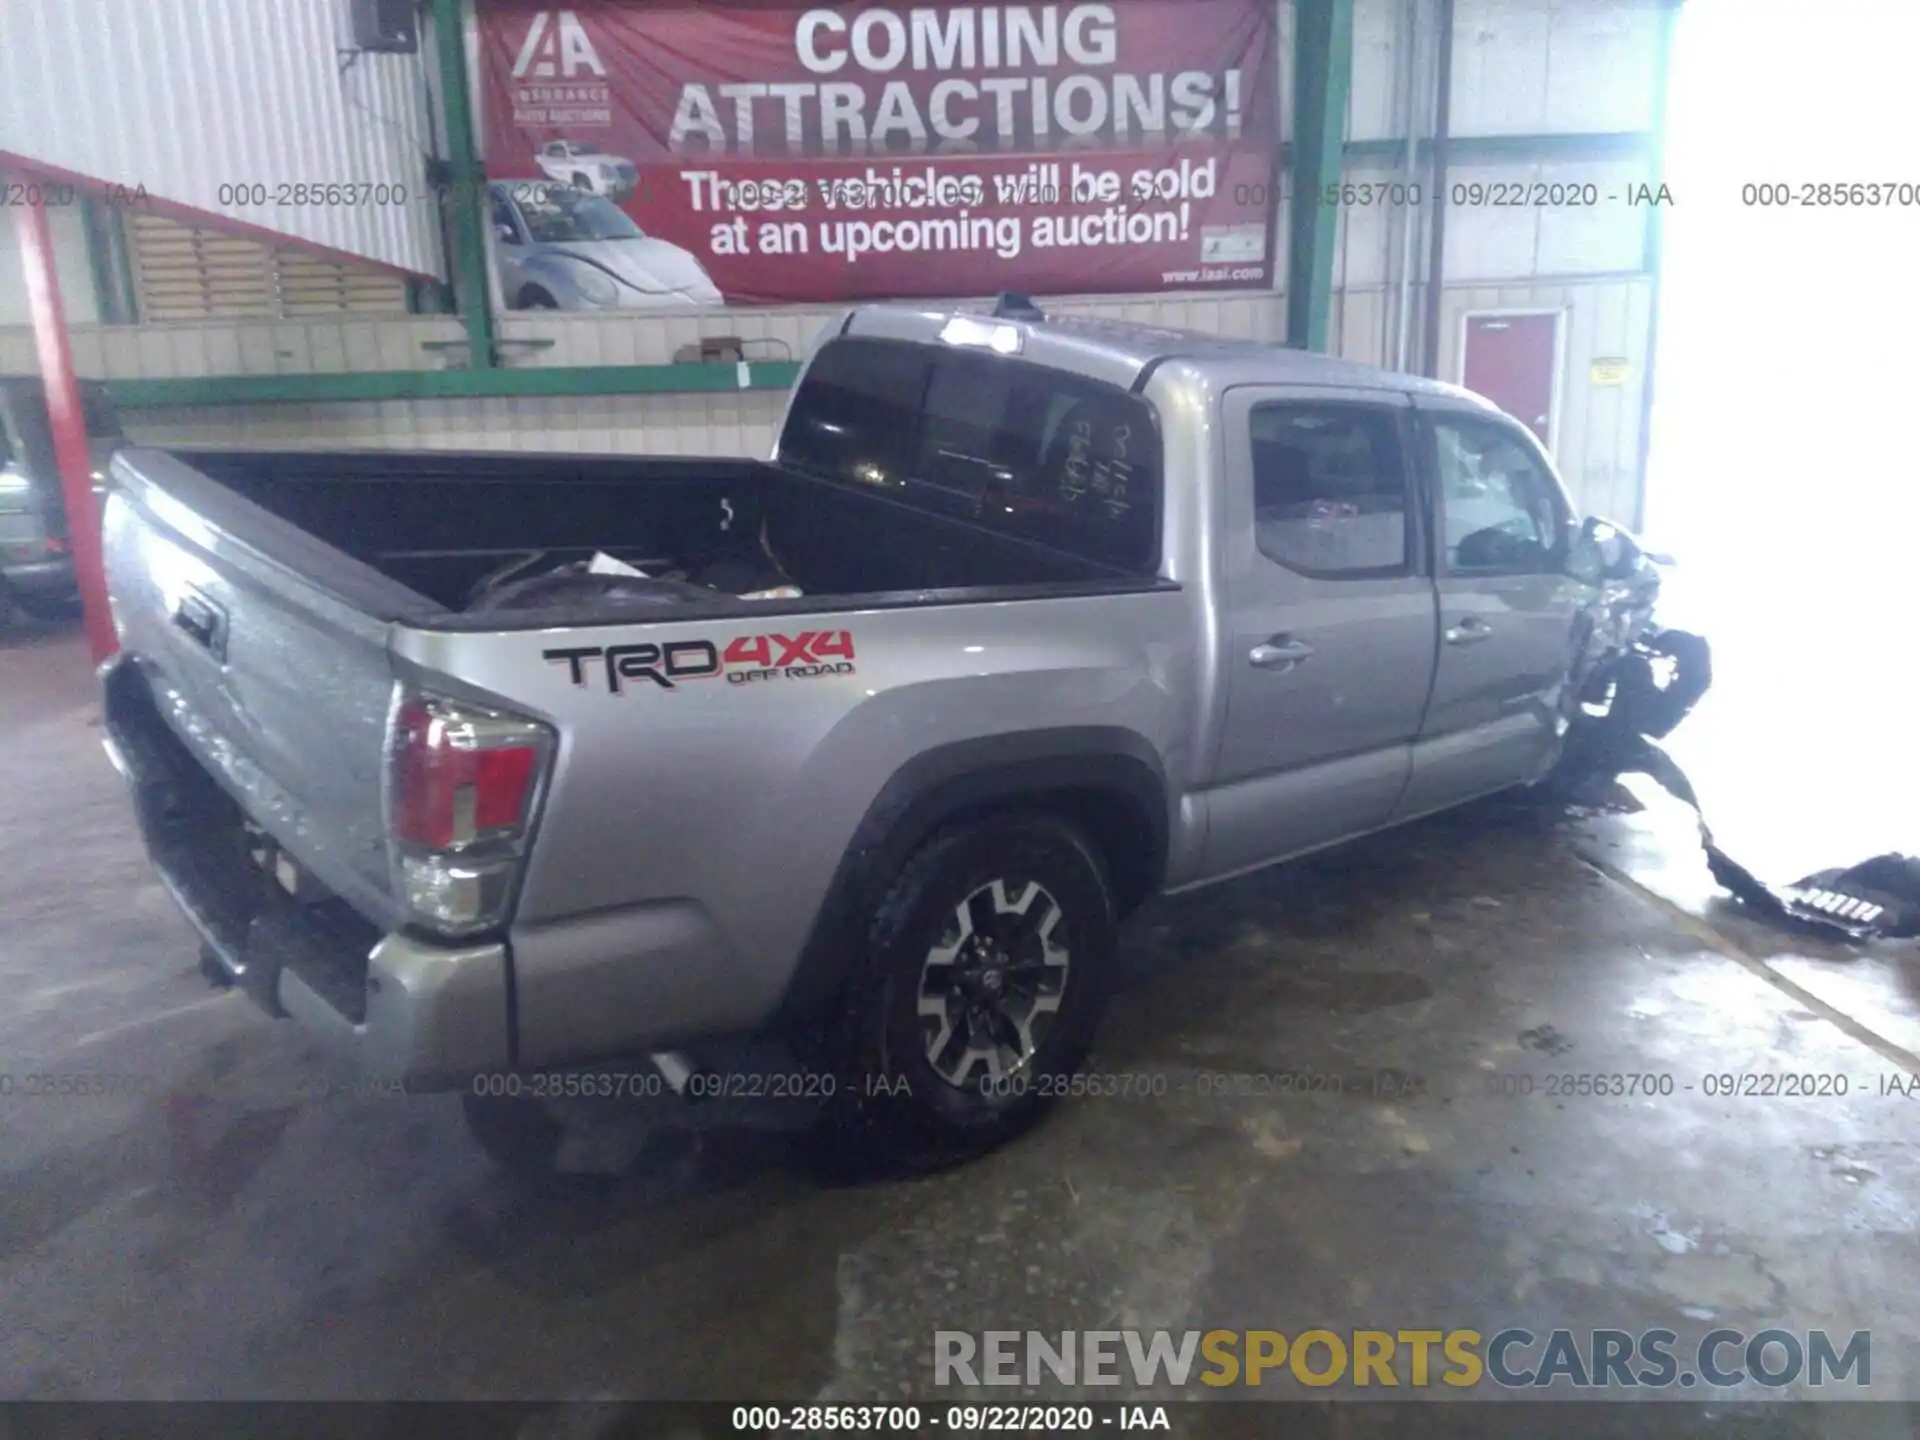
(1878, 898)
(1641, 696)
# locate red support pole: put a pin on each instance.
(68, 421)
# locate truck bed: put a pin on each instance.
(439, 524)
(259, 594)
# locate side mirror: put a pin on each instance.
(1602, 551)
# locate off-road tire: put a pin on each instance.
(888, 1086)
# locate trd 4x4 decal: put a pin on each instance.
(746, 660)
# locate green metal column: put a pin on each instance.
(113, 285)
(467, 191)
(1655, 250)
(1322, 78)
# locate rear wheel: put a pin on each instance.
(988, 967)
(534, 298)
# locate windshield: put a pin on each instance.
(569, 147)
(558, 214)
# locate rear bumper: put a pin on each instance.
(426, 1014)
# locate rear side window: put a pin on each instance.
(1024, 449)
(1329, 490)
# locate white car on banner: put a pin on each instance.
(558, 248)
(574, 163)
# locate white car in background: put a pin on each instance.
(558, 248)
(572, 162)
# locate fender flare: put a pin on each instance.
(1061, 768)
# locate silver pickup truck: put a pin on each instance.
(501, 769)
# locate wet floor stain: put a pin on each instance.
(358, 1247)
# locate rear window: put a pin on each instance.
(1020, 448)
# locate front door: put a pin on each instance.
(1509, 611)
(1512, 359)
(1327, 648)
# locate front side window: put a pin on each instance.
(1499, 508)
(1329, 490)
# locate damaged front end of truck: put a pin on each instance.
(1635, 682)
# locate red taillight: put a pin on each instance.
(462, 775)
(58, 545)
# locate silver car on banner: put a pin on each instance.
(558, 248)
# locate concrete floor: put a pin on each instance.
(231, 1232)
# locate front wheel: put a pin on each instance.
(988, 965)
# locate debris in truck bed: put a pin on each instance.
(577, 585)
(605, 564)
(524, 585)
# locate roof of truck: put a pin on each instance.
(1118, 351)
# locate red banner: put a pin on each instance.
(767, 152)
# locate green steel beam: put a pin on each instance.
(466, 194)
(1322, 79)
(496, 383)
(112, 272)
(1491, 149)
(1655, 254)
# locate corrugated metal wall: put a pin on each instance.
(185, 97)
(70, 256)
(1522, 67)
(1597, 446)
(189, 272)
(237, 347)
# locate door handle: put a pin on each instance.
(204, 622)
(1282, 652)
(1470, 631)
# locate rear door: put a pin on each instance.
(1508, 608)
(1328, 636)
